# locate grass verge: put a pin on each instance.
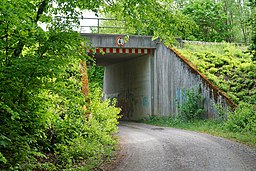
(213, 127)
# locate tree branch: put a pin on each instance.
(31, 75)
(21, 44)
(41, 9)
(18, 50)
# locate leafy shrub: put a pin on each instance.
(191, 107)
(243, 119)
(95, 75)
(42, 122)
(41, 112)
(87, 142)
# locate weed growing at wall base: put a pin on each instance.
(239, 125)
(191, 105)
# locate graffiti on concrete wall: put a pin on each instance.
(127, 101)
(145, 101)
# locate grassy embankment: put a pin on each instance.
(233, 71)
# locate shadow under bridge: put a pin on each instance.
(128, 71)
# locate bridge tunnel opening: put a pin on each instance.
(148, 78)
(128, 78)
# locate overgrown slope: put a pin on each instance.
(228, 66)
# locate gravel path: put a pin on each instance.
(146, 147)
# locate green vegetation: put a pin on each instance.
(204, 20)
(214, 28)
(191, 107)
(221, 20)
(239, 125)
(243, 119)
(253, 25)
(42, 109)
(213, 127)
(160, 19)
(43, 123)
(232, 69)
(227, 66)
(95, 75)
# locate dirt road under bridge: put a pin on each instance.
(146, 147)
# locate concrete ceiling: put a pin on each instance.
(108, 59)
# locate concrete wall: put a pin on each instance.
(172, 74)
(130, 83)
(109, 40)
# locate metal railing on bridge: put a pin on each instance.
(104, 25)
(97, 25)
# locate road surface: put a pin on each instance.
(147, 148)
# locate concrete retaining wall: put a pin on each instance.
(172, 74)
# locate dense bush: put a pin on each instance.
(253, 25)
(42, 109)
(191, 107)
(83, 142)
(96, 76)
(243, 119)
(52, 121)
(210, 20)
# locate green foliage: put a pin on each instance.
(233, 71)
(42, 117)
(243, 119)
(222, 112)
(218, 20)
(205, 20)
(228, 67)
(35, 89)
(253, 25)
(146, 18)
(211, 22)
(96, 76)
(213, 127)
(82, 142)
(191, 107)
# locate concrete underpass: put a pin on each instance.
(127, 77)
(147, 78)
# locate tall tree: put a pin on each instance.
(222, 19)
(209, 17)
(238, 13)
(253, 25)
(243, 14)
(152, 17)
